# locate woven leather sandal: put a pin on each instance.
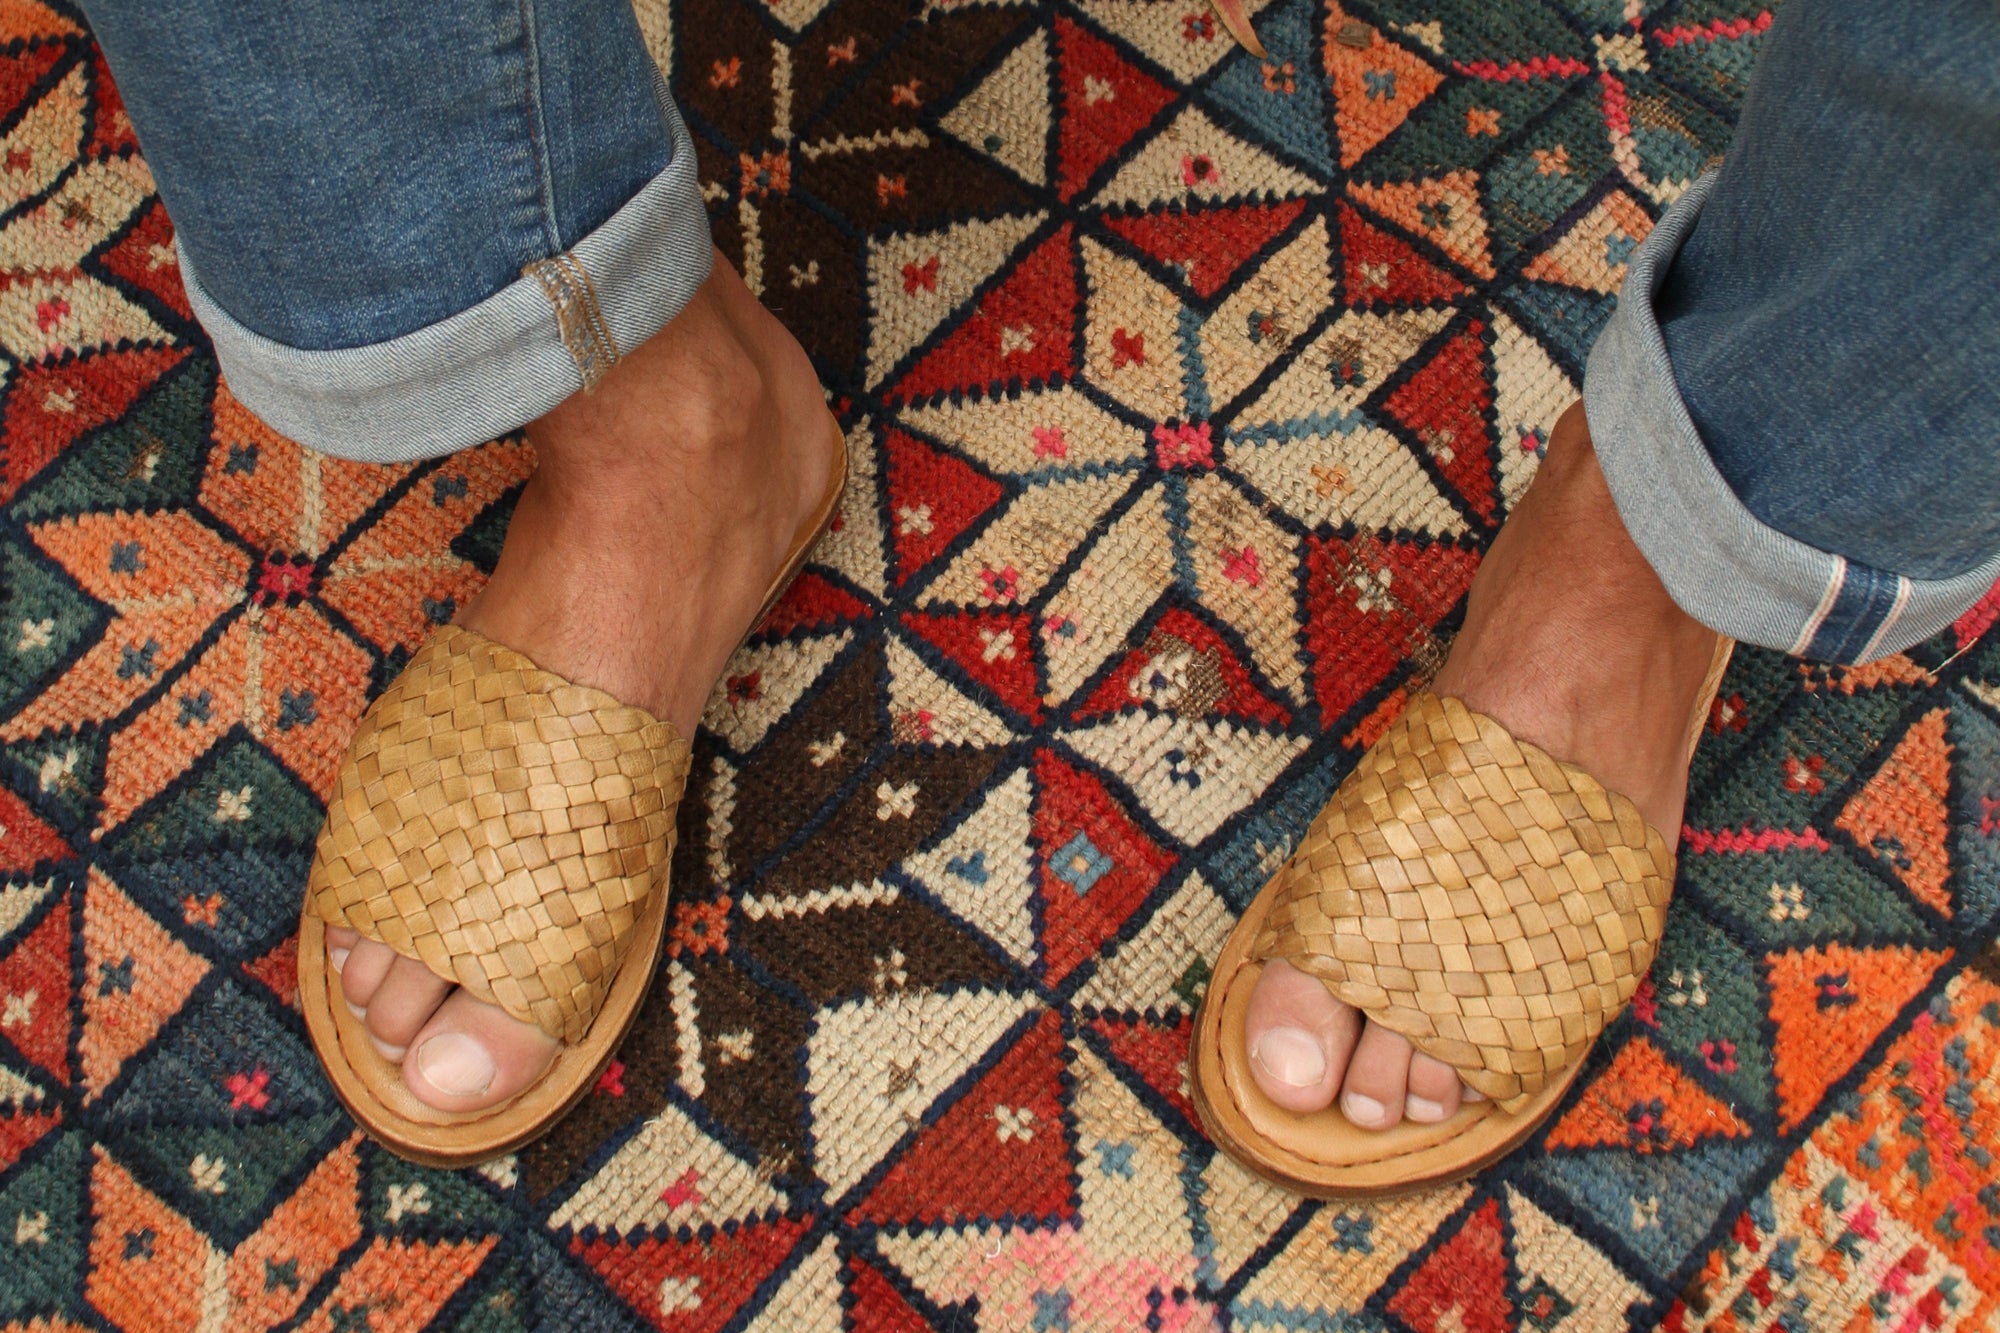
(511, 831)
(1495, 906)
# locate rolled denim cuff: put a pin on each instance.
(498, 365)
(1721, 563)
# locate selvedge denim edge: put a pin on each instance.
(1719, 562)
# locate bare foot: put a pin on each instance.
(663, 503)
(1570, 642)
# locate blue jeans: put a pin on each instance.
(1797, 401)
(408, 228)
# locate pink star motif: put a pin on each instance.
(1243, 567)
(1002, 585)
(1184, 446)
(682, 1193)
(248, 1089)
(1049, 442)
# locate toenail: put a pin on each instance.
(1423, 1109)
(1291, 1056)
(393, 1054)
(354, 1008)
(1363, 1110)
(454, 1063)
(338, 958)
(1472, 1095)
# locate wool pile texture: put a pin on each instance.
(1185, 390)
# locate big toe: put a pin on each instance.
(1298, 1037)
(473, 1055)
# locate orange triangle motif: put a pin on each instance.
(29, 19)
(1646, 1103)
(147, 1264)
(135, 977)
(1376, 83)
(310, 1230)
(1900, 815)
(1829, 1004)
(412, 1277)
(1444, 210)
(1895, 669)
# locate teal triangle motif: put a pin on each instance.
(236, 797)
(152, 457)
(1283, 99)
(42, 1234)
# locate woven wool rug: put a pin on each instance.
(1185, 390)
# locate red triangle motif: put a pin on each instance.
(878, 1307)
(145, 258)
(1217, 683)
(1208, 246)
(1000, 1151)
(22, 70)
(1447, 403)
(693, 1285)
(933, 498)
(111, 128)
(1829, 1005)
(995, 648)
(49, 406)
(1096, 866)
(35, 976)
(1444, 211)
(26, 840)
(813, 602)
(1155, 1052)
(1105, 102)
(1385, 269)
(1371, 605)
(1462, 1286)
(1023, 330)
(1645, 1103)
(1900, 816)
(279, 970)
(22, 1131)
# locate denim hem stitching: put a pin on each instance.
(579, 318)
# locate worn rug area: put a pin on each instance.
(1185, 389)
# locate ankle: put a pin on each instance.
(679, 412)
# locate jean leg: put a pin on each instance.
(1796, 402)
(410, 227)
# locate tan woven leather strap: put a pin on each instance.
(503, 826)
(1495, 906)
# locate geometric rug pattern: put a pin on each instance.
(1184, 391)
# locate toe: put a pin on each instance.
(340, 942)
(1377, 1077)
(471, 1055)
(1434, 1090)
(361, 973)
(1298, 1037)
(402, 1004)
